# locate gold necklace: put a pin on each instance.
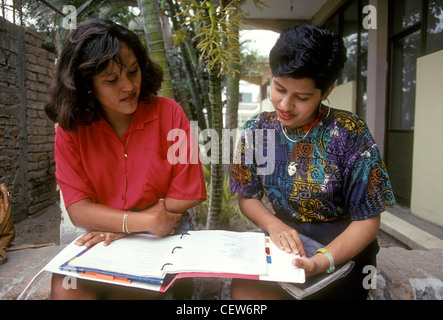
(127, 140)
(293, 166)
(295, 141)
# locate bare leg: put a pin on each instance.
(68, 288)
(128, 293)
(257, 290)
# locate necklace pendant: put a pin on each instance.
(292, 168)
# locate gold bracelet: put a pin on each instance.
(125, 223)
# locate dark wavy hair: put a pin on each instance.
(86, 52)
(306, 51)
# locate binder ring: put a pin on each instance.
(178, 247)
(183, 234)
(166, 265)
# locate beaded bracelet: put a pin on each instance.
(125, 223)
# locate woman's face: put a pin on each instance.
(296, 101)
(117, 88)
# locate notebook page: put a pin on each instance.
(221, 252)
(139, 255)
(280, 267)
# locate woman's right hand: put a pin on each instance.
(161, 221)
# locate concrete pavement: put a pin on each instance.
(20, 269)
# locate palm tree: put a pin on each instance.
(183, 56)
(214, 28)
(233, 94)
(217, 31)
(150, 13)
(216, 191)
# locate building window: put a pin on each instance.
(347, 23)
(246, 97)
(405, 14)
(405, 52)
(434, 26)
(350, 34)
(416, 29)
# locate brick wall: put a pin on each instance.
(26, 134)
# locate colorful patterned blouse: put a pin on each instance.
(339, 171)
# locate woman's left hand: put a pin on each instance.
(93, 237)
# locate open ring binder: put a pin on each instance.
(153, 262)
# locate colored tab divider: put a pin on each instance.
(268, 251)
(107, 277)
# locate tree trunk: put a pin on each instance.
(233, 97)
(216, 195)
(189, 71)
(152, 27)
(181, 94)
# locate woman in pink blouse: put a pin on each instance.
(111, 146)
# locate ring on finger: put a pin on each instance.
(102, 235)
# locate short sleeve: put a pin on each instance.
(367, 186)
(244, 178)
(187, 177)
(70, 173)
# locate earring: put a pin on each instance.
(269, 93)
(91, 103)
(321, 103)
(329, 111)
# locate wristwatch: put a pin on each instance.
(331, 260)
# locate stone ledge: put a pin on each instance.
(409, 274)
(408, 234)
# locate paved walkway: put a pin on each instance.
(21, 268)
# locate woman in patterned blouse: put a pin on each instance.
(327, 179)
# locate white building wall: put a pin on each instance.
(427, 175)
